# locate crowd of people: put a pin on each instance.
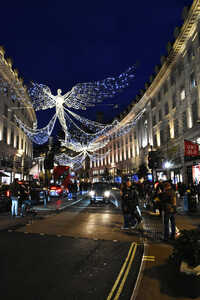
(19, 195)
(161, 197)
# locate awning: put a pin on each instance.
(2, 174)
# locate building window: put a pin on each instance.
(6, 110)
(193, 82)
(5, 134)
(190, 54)
(154, 120)
(194, 112)
(122, 155)
(126, 153)
(17, 142)
(131, 152)
(168, 133)
(160, 115)
(173, 101)
(12, 116)
(12, 138)
(154, 140)
(184, 121)
(180, 68)
(172, 79)
(159, 97)
(22, 144)
(176, 128)
(153, 103)
(166, 108)
(182, 94)
(131, 138)
(165, 88)
(162, 140)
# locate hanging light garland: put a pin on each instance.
(76, 161)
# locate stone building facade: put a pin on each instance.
(171, 104)
(16, 149)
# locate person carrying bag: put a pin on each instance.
(169, 208)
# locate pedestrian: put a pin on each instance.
(15, 193)
(129, 205)
(24, 196)
(198, 191)
(169, 209)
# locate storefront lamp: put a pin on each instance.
(167, 165)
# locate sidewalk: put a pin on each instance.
(159, 279)
(9, 223)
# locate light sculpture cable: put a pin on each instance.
(76, 161)
(38, 136)
(79, 147)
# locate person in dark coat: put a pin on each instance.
(15, 193)
(129, 203)
(169, 208)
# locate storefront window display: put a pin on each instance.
(196, 174)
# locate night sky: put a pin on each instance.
(61, 43)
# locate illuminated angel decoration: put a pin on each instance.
(81, 96)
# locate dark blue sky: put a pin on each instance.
(61, 43)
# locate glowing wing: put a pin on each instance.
(84, 95)
(41, 97)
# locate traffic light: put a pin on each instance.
(49, 161)
(153, 159)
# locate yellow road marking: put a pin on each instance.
(121, 273)
(126, 274)
(148, 258)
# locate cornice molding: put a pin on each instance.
(12, 77)
(183, 35)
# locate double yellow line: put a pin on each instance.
(123, 273)
(148, 258)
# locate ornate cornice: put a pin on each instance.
(182, 36)
(11, 76)
(186, 32)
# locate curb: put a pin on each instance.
(41, 209)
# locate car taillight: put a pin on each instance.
(53, 188)
(59, 190)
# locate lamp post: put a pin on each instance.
(168, 165)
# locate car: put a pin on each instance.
(37, 193)
(5, 201)
(57, 190)
(100, 191)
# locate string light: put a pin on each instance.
(76, 161)
(82, 95)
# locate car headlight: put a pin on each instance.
(92, 193)
(107, 194)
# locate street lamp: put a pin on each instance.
(168, 165)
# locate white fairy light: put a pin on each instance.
(81, 96)
(77, 161)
